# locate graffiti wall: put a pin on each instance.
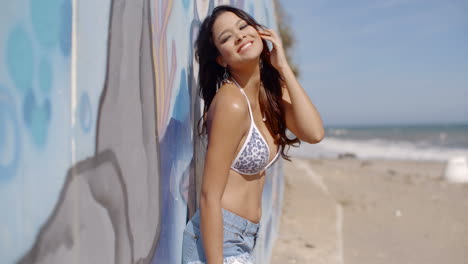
(99, 157)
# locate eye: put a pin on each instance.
(225, 39)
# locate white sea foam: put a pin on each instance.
(331, 147)
(338, 131)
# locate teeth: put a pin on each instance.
(246, 46)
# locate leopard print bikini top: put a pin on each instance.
(254, 155)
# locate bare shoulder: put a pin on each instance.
(229, 104)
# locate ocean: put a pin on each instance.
(414, 142)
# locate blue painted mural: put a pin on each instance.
(100, 161)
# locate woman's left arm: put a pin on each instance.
(302, 118)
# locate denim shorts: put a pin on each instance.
(240, 237)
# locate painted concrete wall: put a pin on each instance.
(99, 162)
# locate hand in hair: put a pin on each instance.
(277, 54)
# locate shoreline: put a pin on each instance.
(371, 211)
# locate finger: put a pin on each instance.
(272, 40)
(267, 37)
(274, 34)
(270, 36)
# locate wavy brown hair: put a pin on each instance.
(210, 77)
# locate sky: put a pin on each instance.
(382, 62)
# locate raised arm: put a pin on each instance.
(302, 118)
(226, 128)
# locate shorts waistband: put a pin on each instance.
(243, 225)
(233, 220)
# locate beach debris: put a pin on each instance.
(391, 171)
(308, 245)
(397, 213)
(456, 169)
(344, 202)
(347, 155)
(365, 163)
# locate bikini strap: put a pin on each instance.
(246, 97)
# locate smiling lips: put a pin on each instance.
(245, 46)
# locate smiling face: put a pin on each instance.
(237, 41)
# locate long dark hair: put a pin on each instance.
(210, 75)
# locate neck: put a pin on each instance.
(248, 77)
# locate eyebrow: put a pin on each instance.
(224, 31)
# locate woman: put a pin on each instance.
(251, 96)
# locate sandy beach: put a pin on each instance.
(371, 211)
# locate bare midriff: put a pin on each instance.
(243, 195)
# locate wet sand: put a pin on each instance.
(371, 211)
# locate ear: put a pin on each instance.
(220, 61)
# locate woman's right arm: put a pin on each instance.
(225, 131)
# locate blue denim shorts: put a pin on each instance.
(240, 236)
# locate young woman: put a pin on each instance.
(251, 96)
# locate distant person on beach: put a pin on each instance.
(251, 97)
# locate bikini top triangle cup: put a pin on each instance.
(254, 155)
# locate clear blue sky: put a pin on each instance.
(383, 62)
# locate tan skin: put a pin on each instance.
(228, 123)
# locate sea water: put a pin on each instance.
(414, 142)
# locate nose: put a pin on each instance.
(239, 36)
